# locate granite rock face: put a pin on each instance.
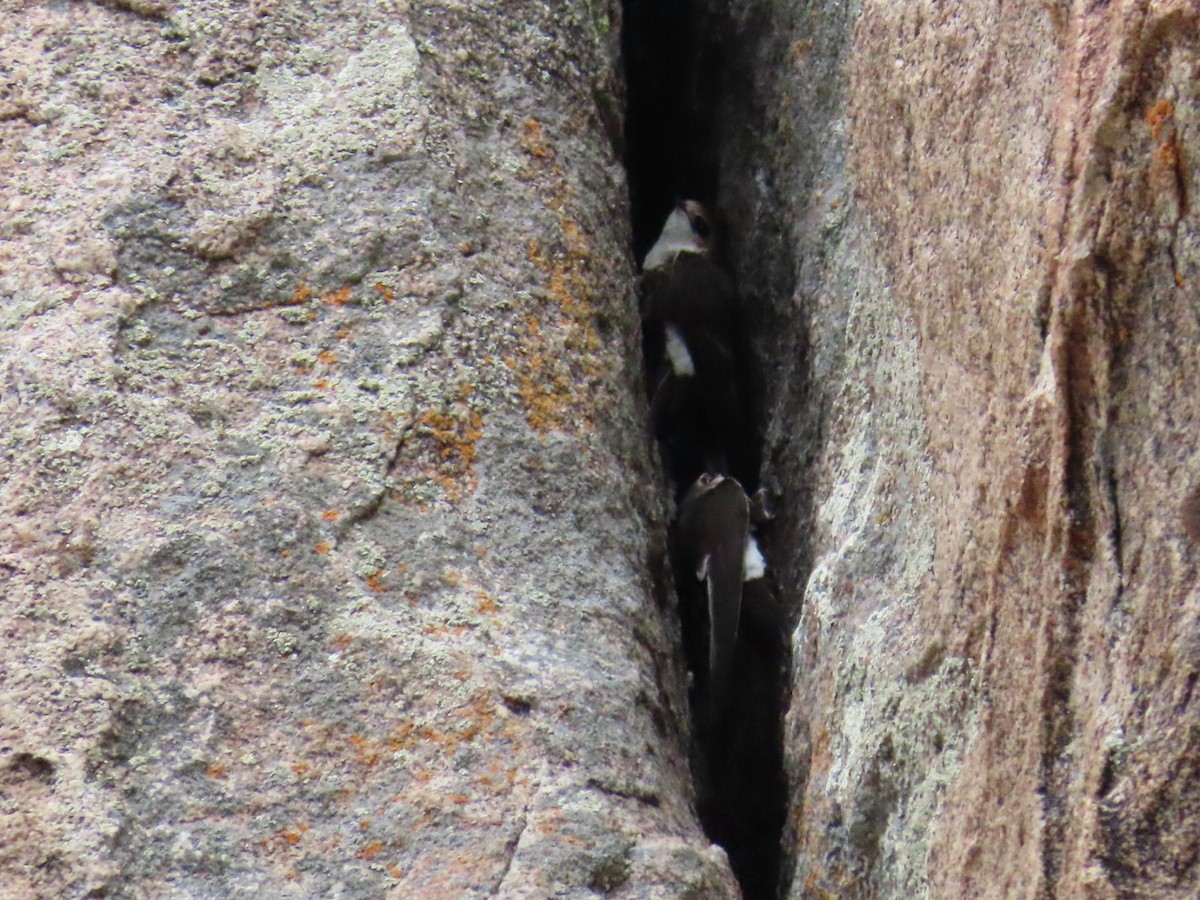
(328, 525)
(330, 534)
(970, 233)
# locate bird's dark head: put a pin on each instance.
(705, 484)
(700, 221)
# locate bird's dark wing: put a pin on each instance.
(653, 290)
(696, 298)
(763, 625)
(678, 416)
(704, 421)
(724, 584)
(692, 289)
(713, 526)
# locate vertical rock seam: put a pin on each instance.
(673, 53)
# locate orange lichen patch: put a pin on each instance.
(477, 719)
(1169, 175)
(375, 582)
(441, 449)
(394, 871)
(455, 438)
(342, 333)
(330, 515)
(557, 365)
(495, 785)
(534, 141)
(366, 752)
(372, 850)
(1158, 115)
(385, 292)
(441, 630)
(321, 547)
(322, 384)
(291, 837)
(216, 770)
(328, 357)
(487, 606)
(352, 762)
(1169, 154)
(815, 886)
(303, 293)
(338, 297)
(1161, 119)
(577, 242)
(391, 426)
(400, 736)
(821, 758)
(485, 602)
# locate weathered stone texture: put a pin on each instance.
(978, 219)
(327, 527)
(327, 510)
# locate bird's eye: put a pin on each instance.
(701, 227)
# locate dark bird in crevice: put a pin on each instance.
(700, 380)
(742, 792)
(736, 647)
(726, 601)
(694, 354)
(714, 555)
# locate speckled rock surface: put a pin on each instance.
(327, 520)
(970, 231)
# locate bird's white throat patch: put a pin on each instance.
(677, 353)
(753, 564)
(677, 237)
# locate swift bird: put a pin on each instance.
(693, 355)
(741, 761)
(711, 546)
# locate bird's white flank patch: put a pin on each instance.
(677, 352)
(753, 564)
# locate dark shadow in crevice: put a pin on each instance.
(672, 62)
(674, 53)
